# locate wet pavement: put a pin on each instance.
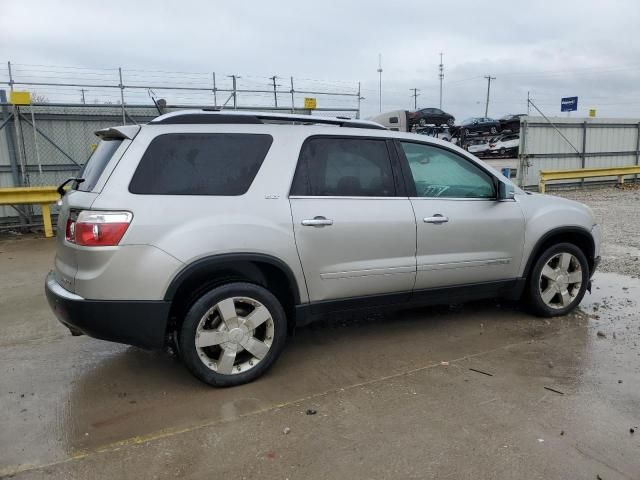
(482, 390)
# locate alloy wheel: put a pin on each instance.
(234, 335)
(560, 280)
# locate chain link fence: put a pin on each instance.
(44, 144)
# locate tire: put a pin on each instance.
(493, 130)
(467, 131)
(450, 122)
(422, 122)
(220, 316)
(501, 152)
(548, 297)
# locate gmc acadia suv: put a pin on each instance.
(219, 232)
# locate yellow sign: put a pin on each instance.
(310, 103)
(592, 112)
(20, 98)
(93, 146)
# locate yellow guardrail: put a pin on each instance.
(42, 196)
(620, 172)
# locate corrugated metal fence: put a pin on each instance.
(569, 143)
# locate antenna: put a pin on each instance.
(380, 82)
(441, 76)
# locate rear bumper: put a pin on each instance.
(139, 323)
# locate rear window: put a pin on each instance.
(96, 164)
(200, 164)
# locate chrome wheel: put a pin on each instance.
(560, 280)
(234, 335)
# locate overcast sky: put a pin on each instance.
(553, 49)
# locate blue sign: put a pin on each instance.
(569, 104)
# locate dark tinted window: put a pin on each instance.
(344, 167)
(200, 164)
(96, 164)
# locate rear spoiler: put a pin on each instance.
(127, 132)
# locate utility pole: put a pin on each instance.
(415, 97)
(82, 90)
(380, 82)
(486, 108)
(528, 104)
(441, 78)
(275, 93)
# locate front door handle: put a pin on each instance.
(437, 218)
(317, 222)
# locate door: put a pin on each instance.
(354, 225)
(464, 235)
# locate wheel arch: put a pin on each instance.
(209, 272)
(578, 236)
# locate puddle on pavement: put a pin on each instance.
(102, 393)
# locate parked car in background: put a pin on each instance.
(480, 125)
(505, 145)
(441, 133)
(481, 147)
(431, 116)
(511, 122)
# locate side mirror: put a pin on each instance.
(505, 191)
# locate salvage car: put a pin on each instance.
(431, 116)
(217, 233)
(480, 125)
(505, 145)
(511, 122)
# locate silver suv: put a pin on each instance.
(219, 232)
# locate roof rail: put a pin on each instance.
(212, 116)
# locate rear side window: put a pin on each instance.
(344, 167)
(200, 164)
(96, 164)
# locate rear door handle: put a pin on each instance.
(437, 218)
(317, 222)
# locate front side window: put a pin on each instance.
(200, 164)
(344, 167)
(440, 173)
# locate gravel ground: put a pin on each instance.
(618, 211)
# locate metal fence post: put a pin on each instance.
(584, 148)
(522, 149)
(215, 91)
(359, 99)
(637, 150)
(121, 85)
(293, 102)
(9, 123)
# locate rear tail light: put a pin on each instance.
(97, 229)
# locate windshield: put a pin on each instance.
(96, 164)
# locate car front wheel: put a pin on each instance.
(233, 334)
(558, 280)
(422, 122)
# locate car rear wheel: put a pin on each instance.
(422, 122)
(502, 152)
(558, 280)
(493, 130)
(233, 334)
(450, 122)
